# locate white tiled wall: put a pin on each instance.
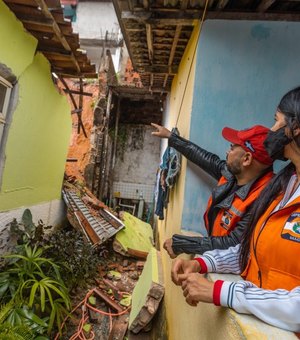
(134, 190)
(51, 213)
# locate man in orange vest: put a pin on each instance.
(241, 178)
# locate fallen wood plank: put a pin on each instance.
(108, 300)
(119, 328)
(78, 92)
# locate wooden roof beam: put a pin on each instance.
(158, 69)
(180, 17)
(222, 4)
(184, 4)
(174, 45)
(146, 4)
(165, 80)
(27, 19)
(130, 5)
(57, 31)
(149, 42)
(64, 74)
(176, 18)
(264, 5)
(266, 16)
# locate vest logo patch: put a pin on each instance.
(291, 229)
(296, 228)
(226, 219)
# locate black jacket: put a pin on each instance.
(222, 197)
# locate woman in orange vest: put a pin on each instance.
(268, 257)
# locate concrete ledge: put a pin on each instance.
(248, 326)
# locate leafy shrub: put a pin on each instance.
(32, 285)
(79, 258)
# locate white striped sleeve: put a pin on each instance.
(222, 260)
(279, 307)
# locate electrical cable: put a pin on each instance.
(192, 61)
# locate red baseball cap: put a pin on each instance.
(251, 140)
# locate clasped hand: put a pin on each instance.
(195, 287)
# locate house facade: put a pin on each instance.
(35, 128)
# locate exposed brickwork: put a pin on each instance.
(131, 77)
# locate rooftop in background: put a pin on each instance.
(157, 32)
(45, 21)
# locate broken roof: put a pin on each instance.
(45, 21)
(157, 32)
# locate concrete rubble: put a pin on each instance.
(147, 294)
(136, 239)
(112, 293)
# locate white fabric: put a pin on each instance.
(279, 307)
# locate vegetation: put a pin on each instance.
(79, 259)
(37, 277)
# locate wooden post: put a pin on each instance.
(116, 134)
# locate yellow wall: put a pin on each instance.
(38, 137)
(180, 317)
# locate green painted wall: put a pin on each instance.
(17, 46)
(39, 135)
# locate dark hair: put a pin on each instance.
(290, 107)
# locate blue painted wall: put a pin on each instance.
(242, 71)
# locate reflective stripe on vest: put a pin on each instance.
(227, 218)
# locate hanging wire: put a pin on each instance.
(192, 61)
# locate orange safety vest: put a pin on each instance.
(275, 248)
(227, 218)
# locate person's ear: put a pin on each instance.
(247, 159)
(296, 132)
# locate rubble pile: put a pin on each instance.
(103, 309)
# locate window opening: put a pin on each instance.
(5, 91)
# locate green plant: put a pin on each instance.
(78, 258)
(16, 316)
(33, 284)
(30, 262)
(20, 332)
(26, 231)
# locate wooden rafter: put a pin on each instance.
(175, 19)
(78, 92)
(160, 69)
(189, 18)
(45, 10)
(157, 32)
(265, 5)
(184, 4)
(151, 81)
(146, 4)
(76, 109)
(149, 42)
(174, 45)
(222, 4)
(45, 21)
(80, 108)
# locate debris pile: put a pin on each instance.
(126, 290)
(103, 312)
(89, 215)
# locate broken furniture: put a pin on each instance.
(147, 293)
(97, 227)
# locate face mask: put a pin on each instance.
(275, 143)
